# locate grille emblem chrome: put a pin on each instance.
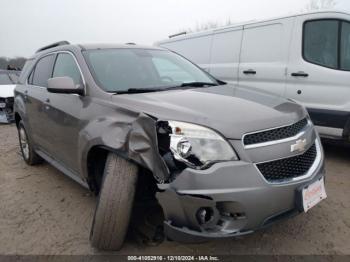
(300, 146)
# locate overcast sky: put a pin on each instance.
(26, 25)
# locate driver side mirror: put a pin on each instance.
(64, 85)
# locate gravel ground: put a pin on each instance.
(44, 212)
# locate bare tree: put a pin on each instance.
(320, 4)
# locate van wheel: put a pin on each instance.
(114, 205)
(28, 153)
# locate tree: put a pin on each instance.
(320, 4)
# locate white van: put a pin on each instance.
(304, 57)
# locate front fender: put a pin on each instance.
(132, 136)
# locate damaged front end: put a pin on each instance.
(6, 110)
(194, 217)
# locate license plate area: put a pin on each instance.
(312, 194)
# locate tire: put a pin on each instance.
(114, 206)
(26, 145)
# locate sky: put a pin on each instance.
(27, 25)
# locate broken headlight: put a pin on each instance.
(196, 146)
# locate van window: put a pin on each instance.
(262, 44)
(66, 66)
(327, 43)
(43, 70)
(321, 42)
(345, 47)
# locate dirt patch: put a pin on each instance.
(44, 212)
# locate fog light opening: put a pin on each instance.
(205, 215)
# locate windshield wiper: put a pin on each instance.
(198, 84)
(139, 90)
(165, 88)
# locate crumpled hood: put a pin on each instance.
(231, 110)
(7, 90)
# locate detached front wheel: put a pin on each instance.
(114, 206)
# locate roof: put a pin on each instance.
(240, 24)
(64, 45)
(112, 46)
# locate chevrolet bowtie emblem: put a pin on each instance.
(299, 146)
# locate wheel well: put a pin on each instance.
(96, 160)
(17, 119)
(147, 216)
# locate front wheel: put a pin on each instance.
(115, 201)
(27, 150)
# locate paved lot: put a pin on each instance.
(44, 212)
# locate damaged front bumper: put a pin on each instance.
(227, 200)
(6, 110)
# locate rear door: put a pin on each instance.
(264, 55)
(319, 69)
(35, 95)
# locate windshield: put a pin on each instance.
(118, 70)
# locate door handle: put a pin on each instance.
(47, 100)
(300, 74)
(249, 72)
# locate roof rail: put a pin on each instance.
(53, 45)
(178, 34)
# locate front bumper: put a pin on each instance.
(235, 195)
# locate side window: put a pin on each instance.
(321, 42)
(43, 70)
(345, 47)
(66, 66)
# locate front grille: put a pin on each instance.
(275, 134)
(288, 168)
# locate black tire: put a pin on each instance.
(26, 145)
(114, 206)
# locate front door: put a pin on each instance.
(64, 113)
(319, 69)
(35, 96)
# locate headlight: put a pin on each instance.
(198, 146)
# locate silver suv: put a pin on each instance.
(131, 122)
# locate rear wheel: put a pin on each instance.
(28, 153)
(115, 201)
